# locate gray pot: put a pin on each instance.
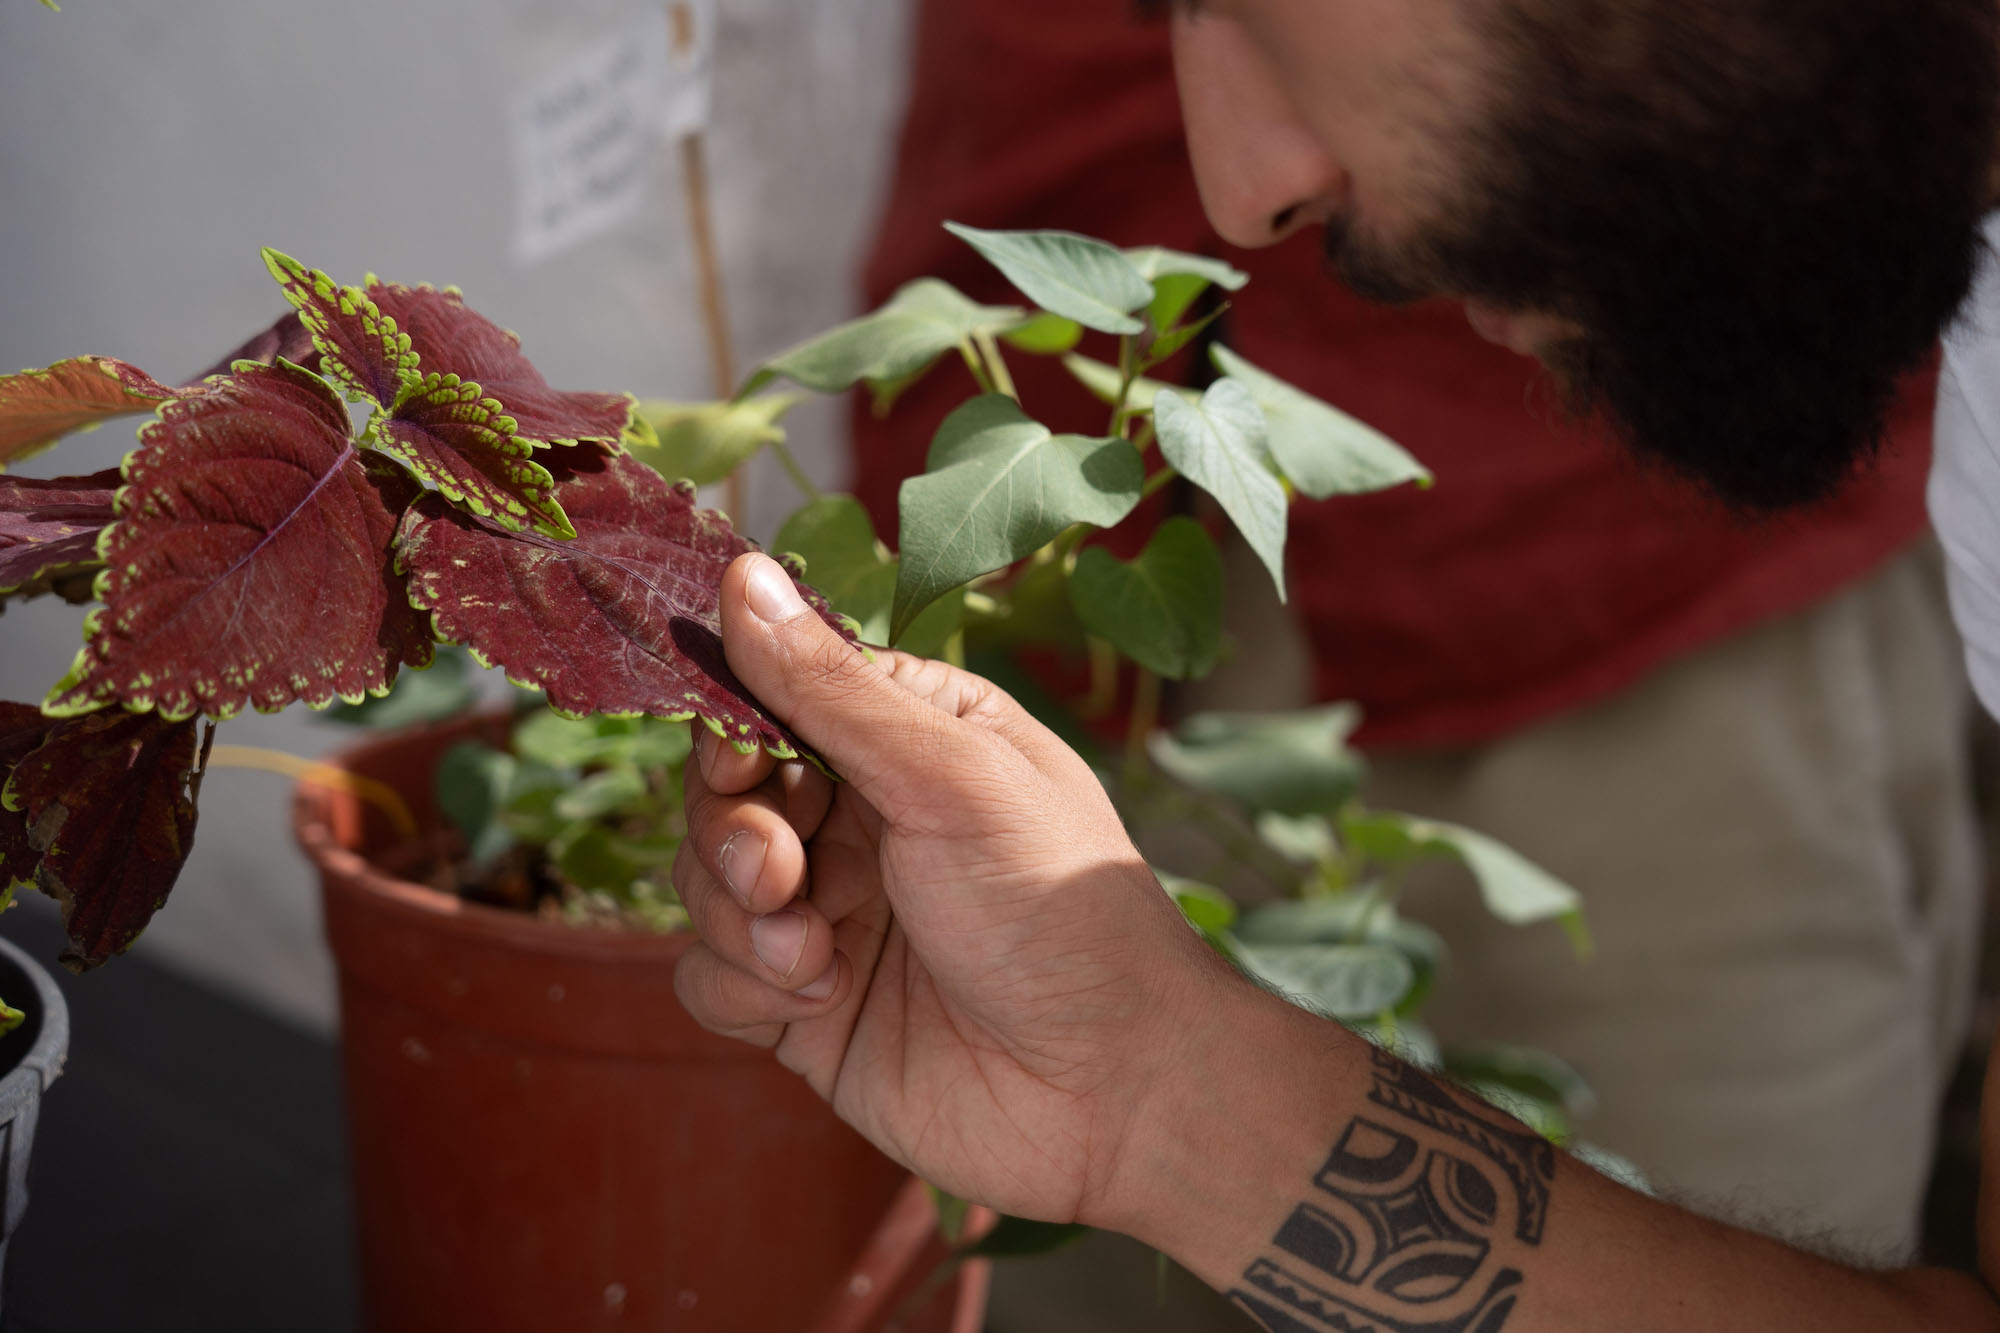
(31, 1056)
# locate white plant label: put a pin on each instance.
(690, 83)
(585, 135)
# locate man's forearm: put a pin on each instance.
(1329, 1188)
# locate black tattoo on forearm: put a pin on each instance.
(1397, 1236)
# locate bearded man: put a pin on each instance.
(1728, 227)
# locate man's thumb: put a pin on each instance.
(860, 721)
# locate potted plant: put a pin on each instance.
(534, 1119)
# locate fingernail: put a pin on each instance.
(779, 940)
(770, 592)
(822, 988)
(742, 859)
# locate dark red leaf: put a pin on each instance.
(23, 728)
(360, 349)
(39, 407)
(621, 619)
(108, 802)
(448, 434)
(246, 565)
(405, 633)
(48, 533)
(287, 338)
(450, 338)
(445, 425)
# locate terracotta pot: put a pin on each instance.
(543, 1140)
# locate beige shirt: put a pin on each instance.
(1965, 475)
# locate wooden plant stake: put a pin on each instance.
(708, 265)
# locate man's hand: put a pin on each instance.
(958, 946)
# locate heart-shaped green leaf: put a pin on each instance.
(705, 442)
(1155, 262)
(835, 538)
(1164, 609)
(1322, 450)
(1353, 981)
(1044, 335)
(1066, 274)
(578, 743)
(1528, 1072)
(1307, 839)
(1104, 382)
(1293, 763)
(1358, 916)
(999, 486)
(1207, 908)
(1515, 889)
(1177, 279)
(923, 321)
(1218, 444)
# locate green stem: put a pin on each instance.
(1160, 480)
(1168, 804)
(1128, 374)
(1385, 892)
(1145, 717)
(1103, 679)
(1071, 537)
(996, 364)
(793, 470)
(973, 364)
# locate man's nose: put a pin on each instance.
(1261, 173)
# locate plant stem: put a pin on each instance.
(1103, 679)
(1145, 717)
(380, 795)
(1165, 477)
(1385, 892)
(996, 364)
(792, 470)
(972, 363)
(1128, 372)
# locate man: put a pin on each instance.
(985, 978)
(1743, 742)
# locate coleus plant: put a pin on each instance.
(258, 549)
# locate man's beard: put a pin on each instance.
(1758, 222)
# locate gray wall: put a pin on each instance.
(148, 150)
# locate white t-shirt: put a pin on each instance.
(1965, 475)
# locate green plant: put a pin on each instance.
(995, 551)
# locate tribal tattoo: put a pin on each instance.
(1398, 1233)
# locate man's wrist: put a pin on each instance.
(1236, 1111)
